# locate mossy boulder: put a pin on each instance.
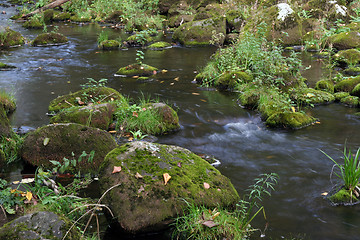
(347, 85)
(250, 96)
(67, 140)
(325, 85)
(5, 127)
(310, 96)
(348, 57)
(339, 95)
(176, 21)
(61, 16)
(109, 45)
(143, 38)
(159, 46)
(7, 104)
(351, 101)
(352, 71)
(346, 40)
(343, 196)
(168, 118)
(235, 20)
(229, 80)
(98, 116)
(201, 32)
(85, 97)
(137, 69)
(34, 22)
(291, 120)
(356, 90)
(143, 201)
(39, 225)
(78, 18)
(48, 16)
(10, 38)
(4, 66)
(51, 38)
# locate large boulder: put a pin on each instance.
(347, 85)
(38, 225)
(201, 32)
(137, 69)
(86, 96)
(346, 40)
(143, 201)
(48, 39)
(98, 116)
(59, 141)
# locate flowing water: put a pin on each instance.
(211, 123)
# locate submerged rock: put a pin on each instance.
(51, 38)
(97, 116)
(59, 141)
(137, 69)
(143, 201)
(38, 225)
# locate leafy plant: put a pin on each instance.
(138, 135)
(103, 36)
(71, 163)
(349, 170)
(140, 56)
(9, 198)
(92, 83)
(11, 147)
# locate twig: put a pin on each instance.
(106, 97)
(69, 103)
(2, 208)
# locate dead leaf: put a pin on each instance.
(209, 224)
(154, 72)
(135, 77)
(215, 215)
(116, 169)
(166, 177)
(194, 93)
(203, 100)
(206, 185)
(29, 196)
(171, 84)
(46, 141)
(138, 175)
(317, 122)
(135, 114)
(176, 79)
(293, 109)
(112, 131)
(324, 194)
(164, 71)
(162, 81)
(141, 189)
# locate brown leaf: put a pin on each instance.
(116, 169)
(194, 93)
(166, 177)
(215, 215)
(206, 185)
(135, 114)
(210, 223)
(138, 175)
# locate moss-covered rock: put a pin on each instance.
(79, 18)
(343, 196)
(201, 32)
(159, 46)
(48, 16)
(351, 101)
(34, 22)
(143, 38)
(325, 85)
(310, 96)
(229, 80)
(168, 118)
(4, 66)
(143, 201)
(5, 128)
(250, 96)
(10, 38)
(235, 20)
(59, 141)
(347, 85)
(85, 97)
(356, 90)
(39, 225)
(339, 95)
(137, 69)
(291, 120)
(51, 38)
(346, 40)
(352, 71)
(98, 116)
(61, 16)
(176, 21)
(348, 57)
(109, 45)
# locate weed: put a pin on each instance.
(140, 56)
(138, 135)
(103, 36)
(11, 147)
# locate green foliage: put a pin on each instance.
(9, 198)
(349, 170)
(103, 36)
(140, 56)
(92, 83)
(138, 135)
(11, 147)
(71, 163)
(198, 222)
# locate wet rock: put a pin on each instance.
(109, 45)
(34, 22)
(159, 46)
(38, 225)
(59, 141)
(97, 116)
(346, 40)
(10, 38)
(49, 39)
(351, 101)
(61, 16)
(348, 57)
(292, 120)
(137, 69)
(142, 201)
(85, 97)
(167, 116)
(308, 96)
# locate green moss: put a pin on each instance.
(350, 56)
(351, 101)
(137, 69)
(340, 95)
(62, 16)
(347, 85)
(35, 22)
(78, 18)
(10, 38)
(229, 80)
(343, 196)
(4, 66)
(250, 96)
(88, 95)
(292, 120)
(109, 45)
(346, 40)
(48, 16)
(310, 96)
(159, 46)
(5, 128)
(352, 71)
(356, 90)
(49, 39)
(140, 38)
(271, 102)
(325, 85)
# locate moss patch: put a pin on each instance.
(351, 101)
(10, 38)
(346, 40)
(143, 201)
(347, 85)
(159, 46)
(340, 95)
(109, 45)
(343, 196)
(86, 96)
(310, 96)
(292, 120)
(61, 16)
(137, 69)
(349, 57)
(356, 90)
(325, 85)
(230, 80)
(4, 66)
(49, 39)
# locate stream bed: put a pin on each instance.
(212, 123)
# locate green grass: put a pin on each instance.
(11, 147)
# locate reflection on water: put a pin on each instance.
(211, 123)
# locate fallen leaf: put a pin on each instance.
(138, 175)
(46, 141)
(206, 185)
(135, 114)
(203, 100)
(215, 215)
(29, 196)
(293, 109)
(270, 157)
(16, 182)
(116, 169)
(162, 81)
(154, 72)
(141, 189)
(135, 77)
(210, 223)
(310, 95)
(171, 84)
(176, 79)
(112, 131)
(179, 164)
(166, 177)
(324, 194)
(194, 93)
(27, 180)
(317, 122)
(164, 71)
